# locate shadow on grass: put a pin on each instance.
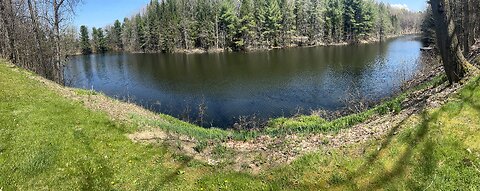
(413, 142)
(419, 151)
(173, 175)
(95, 172)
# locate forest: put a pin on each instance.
(179, 25)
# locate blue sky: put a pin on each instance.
(414, 5)
(99, 13)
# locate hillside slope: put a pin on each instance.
(50, 142)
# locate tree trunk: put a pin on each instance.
(8, 20)
(58, 69)
(216, 32)
(467, 42)
(33, 17)
(454, 62)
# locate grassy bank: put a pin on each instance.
(304, 124)
(315, 124)
(49, 142)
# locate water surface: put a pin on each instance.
(267, 84)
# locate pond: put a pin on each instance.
(218, 89)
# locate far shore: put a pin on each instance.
(220, 50)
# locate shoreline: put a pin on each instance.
(258, 49)
(321, 44)
(202, 144)
(262, 123)
(70, 139)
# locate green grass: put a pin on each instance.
(437, 150)
(303, 124)
(315, 124)
(48, 142)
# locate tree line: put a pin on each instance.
(34, 34)
(173, 25)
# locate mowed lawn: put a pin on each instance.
(48, 142)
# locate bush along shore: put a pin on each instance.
(80, 139)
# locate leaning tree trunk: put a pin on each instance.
(454, 62)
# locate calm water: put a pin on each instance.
(265, 84)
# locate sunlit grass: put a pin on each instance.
(48, 142)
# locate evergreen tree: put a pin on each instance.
(206, 18)
(117, 35)
(384, 24)
(128, 40)
(85, 40)
(273, 18)
(95, 39)
(101, 45)
(152, 27)
(140, 33)
(170, 25)
(367, 19)
(260, 16)
(350, 19)
(187, 20)
(247, 23)
(228, 24)
(334, 20)
(302, 17)
(288, 20)
(315, 20)
(428, 28)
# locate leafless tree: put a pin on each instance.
(33, 34)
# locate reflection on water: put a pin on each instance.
(266, 84)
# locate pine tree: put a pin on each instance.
(428, 28)
(367, 17)
(350, 19)
(94, 39)
(247, 23)
(288, 20)
(302, 17)
(152, 27)
(384, 24)
(273, 18)
(187, 20)
(127, 36)
(229, 25)
(141, 42)
(101, 41)
(169, 25)
(205, 17)
(334, 20)
(315, 20)
(116, 35)
(85, 40)
(260, 16)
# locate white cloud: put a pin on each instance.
(400, 6)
